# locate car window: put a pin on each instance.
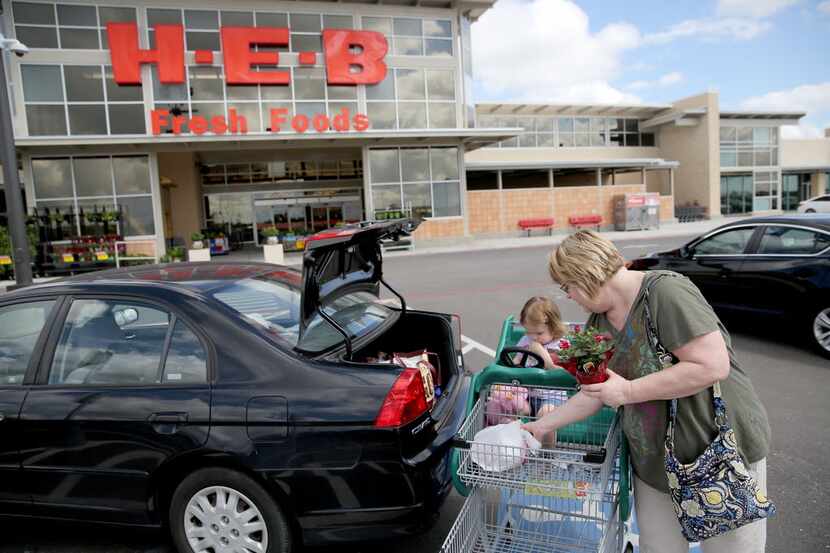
(110, 342)
(186, 359)
(728, 242)
(792, 241)
(20, 327)
(358, 313)
(267, 303)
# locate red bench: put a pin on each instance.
(585, 220)
(541, 222)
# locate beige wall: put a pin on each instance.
(805, 153)
(697, 149)
(559, 154)
(183, 201)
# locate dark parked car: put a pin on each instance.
(241, 404)
(768, 266)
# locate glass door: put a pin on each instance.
(231, 214)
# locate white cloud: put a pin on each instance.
(814, 99)
(544, 50)
(710, 29)
(666, 80)
(752, 8)
(824, 7)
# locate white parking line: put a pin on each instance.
(470, 344)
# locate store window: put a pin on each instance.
(93, 104)
(413, 36)
(569, 132)
(413, 99)
(748, 146)
(736, 194)
(417, 182)
(766, 190)
(89, 196)
(66, 26)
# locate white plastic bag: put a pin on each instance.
(502, 447)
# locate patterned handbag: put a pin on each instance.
(715, 493)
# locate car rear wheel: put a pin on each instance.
(809, 211)
(821, 331)
(219, 510)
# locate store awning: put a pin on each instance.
(806, 168)
(632, 163)
(472, 139)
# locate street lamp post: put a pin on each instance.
(8, 157)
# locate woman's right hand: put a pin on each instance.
(536, 428)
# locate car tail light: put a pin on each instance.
(405, 402)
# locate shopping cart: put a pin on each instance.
(570, 496)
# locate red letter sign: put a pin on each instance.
(340, 60)
(236, 47)
(127, 57)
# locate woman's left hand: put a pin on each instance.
(614, 392)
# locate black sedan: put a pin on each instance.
(250, 407)
(765, 266)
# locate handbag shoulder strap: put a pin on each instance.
(667, 358)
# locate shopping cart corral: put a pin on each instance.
(572, 495)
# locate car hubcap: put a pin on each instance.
(821, 328)
(222, 520)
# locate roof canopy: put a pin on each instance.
(609, 110)
(471, 8)
(781, 115)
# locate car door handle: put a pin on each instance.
(168, 418)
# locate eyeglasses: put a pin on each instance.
(564, 287)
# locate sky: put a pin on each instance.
(757, 54)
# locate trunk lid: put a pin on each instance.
(342, 260)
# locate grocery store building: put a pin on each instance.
(145, 122)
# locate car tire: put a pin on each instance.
(212, 507)
(818, 327)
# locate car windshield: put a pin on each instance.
(275, 306)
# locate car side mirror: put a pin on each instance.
(687, 252)
(124, 317)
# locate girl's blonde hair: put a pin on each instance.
(585, 259)
(541, 310)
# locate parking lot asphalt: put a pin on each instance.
(485, 286)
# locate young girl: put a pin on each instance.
(543, 328)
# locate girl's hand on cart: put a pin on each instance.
(614, 392)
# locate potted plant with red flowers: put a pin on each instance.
(585, 353)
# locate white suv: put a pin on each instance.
(819, 204)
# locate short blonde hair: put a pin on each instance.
(541, 310)
(585, 259)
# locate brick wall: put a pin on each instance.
(577, 200)
(440, 228)
(483, 211)
(532, 203)
(666, 208)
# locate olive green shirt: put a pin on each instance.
(680, 313)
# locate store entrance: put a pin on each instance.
(295, 218)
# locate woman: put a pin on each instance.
(591, 271)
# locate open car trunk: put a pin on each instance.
(413, 333)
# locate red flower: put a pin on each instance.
(577, 329)
(599, 338)
(564, 344)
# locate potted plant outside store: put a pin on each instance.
(198, 251)
(272, 249)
